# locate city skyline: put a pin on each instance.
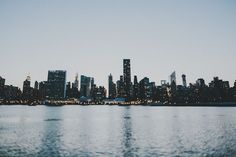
(168, 80)
(57, 88)
(195, 38)
(179, 78)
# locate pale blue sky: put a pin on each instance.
(91, 37)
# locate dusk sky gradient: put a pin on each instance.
(91, 37)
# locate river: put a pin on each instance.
(90, 131)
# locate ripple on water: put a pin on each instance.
(111, 131)
(53, 119)
(126, 117)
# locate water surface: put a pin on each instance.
(117, 131)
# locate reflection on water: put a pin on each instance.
(127, 139)
(51, 138)
(52, 119)
(117, 131)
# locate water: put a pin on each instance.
(117, 131)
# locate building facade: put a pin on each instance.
(184, 80)
(127, 78)
(111, 87)
(2, 84)
(56, 84)
(86, 84)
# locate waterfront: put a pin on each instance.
(117, 131)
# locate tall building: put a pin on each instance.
(27, 90)
(218, 83)
(111, 87)
(75, 87)
(120, 87)
(135, 88)
(68, 90)
(2, 84)
(146, 89)
(12, 92)
(173, 78)
(127, 78)
(76, 82)
(86, 84)
(43, 90)
(173, 82)
(36, 85)
(56, 84)
(26, 84)
(36, 95)
(99, 94)
(184, 80)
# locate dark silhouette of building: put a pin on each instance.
(56, 85)
(135, 88)
(162, 92)
(36, 95)
(2, 84)
(146, 89)
(75, 88)
(42, 90)
(27, 90)
(86, 86)
(55, 88)
(68, 90)
(184, 80)
(127, 78)
(232, 92)
(9, 92)
(36, 85)
(173, 81)
(111, 87)
(219, 90)
(200, 82)
(12, 93)
(76, 82)
(120, 87)
(99, 94)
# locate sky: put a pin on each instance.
(92, 37)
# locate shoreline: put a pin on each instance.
(223, 104)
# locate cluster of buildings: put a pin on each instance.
(56, 88)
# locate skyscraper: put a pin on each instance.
(135, 88)
(145, 89)
(127, 78)
(112, 87)
(26, 84)
(2, 84)
(56, 84)
(184, 80)
(173, 78)
(75, 87)
(173, 82)
(36, 85)
(43, 90)
(86, 84)
(120, 87)
(76, 82)
(27, 91)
